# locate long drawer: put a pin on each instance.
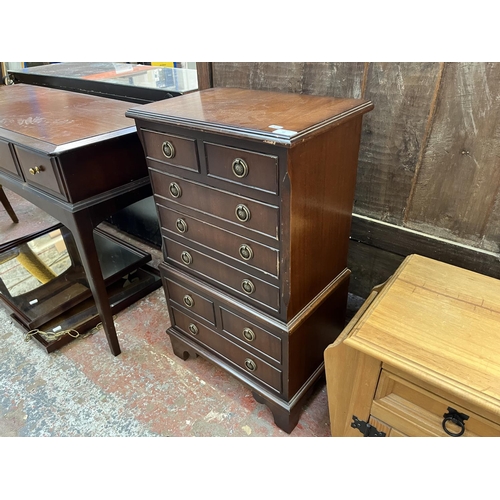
(227, 243)
(238, 210)
(236, 281)
(246, 361)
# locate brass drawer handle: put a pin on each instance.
(181, 225)
(186, 257)
(240, 168)
(457, 418)
(35, 170)
(250, 365)
(248, 334)
(168, 150)
(246, 253)
(247, 286)
(175, 190)
(242, 213)
(193, 329)
(188, 300)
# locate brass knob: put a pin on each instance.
(36, 170)
(193, 329)
(168, 149)
(188, 300)
(242, 213)
(181, 225)
(248, 286)
(175, 190)
(250, 365)
(248, 334)
(246, 253)
(240, 168)
(186, 257)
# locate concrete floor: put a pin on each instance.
(82, 390)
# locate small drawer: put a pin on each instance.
(248, 168)
(38, 170)
(190, 300)
(249, 363)
(243, 212)
(415, 411)
(241, 249)
(177, 151)
(7, 163)
(239, 282)
(251, 334)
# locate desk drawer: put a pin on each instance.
(248, 168)
(227, 243)
(177, 151)
(238, 210)
(38, 171)
(415, 411)
(244, 285)
(249, 363)
(6, 161)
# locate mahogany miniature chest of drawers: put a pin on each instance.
(254, 193)
(422, 358)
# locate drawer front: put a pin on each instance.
(177, 151)
(185, 297)
(38, 170)
(227, 243)
(415, 411)
(252, 214)
(249, 363)
(248, 168)
(251, 334)
(6, 161)
(257, 290)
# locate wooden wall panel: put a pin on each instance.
(393, 134)
(459, 179)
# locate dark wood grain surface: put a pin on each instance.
(59, 117)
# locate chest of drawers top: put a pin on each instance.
(271, 117)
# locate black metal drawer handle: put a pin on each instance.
(188, 300)
(248, 287)
(248, 334)
(457, 418)
(240, 168)
(168, 149)
(246, 253)
(175, 190)
(242, 213)
(250, 365)
(181, 225)
(187, 258)
(193, 329)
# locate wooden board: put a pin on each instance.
(459, 178)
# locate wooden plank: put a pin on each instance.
(204, 72)
(392, 136)
(459, 178)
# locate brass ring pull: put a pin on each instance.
(239, 168)
(168, 150)
(181, 225)
(248, 287)
(193, 329)
(457, 418)
(248, 334)
(246, 253)
(250, 365)
(188, 300)
(242, 213)
(187, 258)
(35, 170)
(175, 190)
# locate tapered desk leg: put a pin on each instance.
(83, 233)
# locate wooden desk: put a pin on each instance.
(78, 158)
(421, 359)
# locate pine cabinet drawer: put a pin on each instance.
(39, 171)
(185, 297)
(243, 284)
(230, 244)
(238, 210)
(248, 168)
(229, 351)
(175, 150)
(415, 411)
(6, 161)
